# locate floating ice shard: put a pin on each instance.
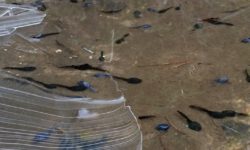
(32, 118)
(13, 17)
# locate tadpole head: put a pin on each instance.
(194, 126)
(134, 80)
(229, 113)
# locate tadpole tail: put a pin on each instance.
(84, 67)
(65, 67)
(246, 73)
(199, 108)
(25, 69)
(45, 35)
(228, 24)
(164, 10)
(183, 115)
(242, 114)
(52, 33)
(120, 78)
(98, 69)
(48, 86)
(146, 117)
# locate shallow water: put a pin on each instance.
(178, 66)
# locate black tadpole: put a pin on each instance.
(102, 58)
(137, 14)
(247, 76)
(25, 69)
(216, 21)
(218, 115)
(146, 117)
(48, 86)
(164, 10)
(43, 35)
(74, 1)
(39, 5)
(193, 125)
(122, 39)
(84, 67)
(129, 80)
(75, 88)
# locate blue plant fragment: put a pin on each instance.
(144, 26)
(67, 144)
(87, 3)
(162, 127)
(87, 85)
(222, 80)
(43, 136)
(246, 40)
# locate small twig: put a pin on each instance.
(232, 129)
(155, 65)
(112, 46)
(162, 145)
(63, 46)
(88, 50)
(177, 64)
(181, 64)
(236, 13)
(166, 118)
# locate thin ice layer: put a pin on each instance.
(16, 16)
(57, 122)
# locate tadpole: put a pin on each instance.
(132, 80)
(247, 76)
(25, 69)
(193, 125)
(43, 35)
(84, 67)
(218, 115)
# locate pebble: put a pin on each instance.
(58, 51)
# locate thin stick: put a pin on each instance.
(112, 46)
(177, 64)
(88, 50)
(181, 64)
(232, 129)
(166, 118)
(236, 13)
(162, 145)
(155, 65)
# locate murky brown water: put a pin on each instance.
(166, 57)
